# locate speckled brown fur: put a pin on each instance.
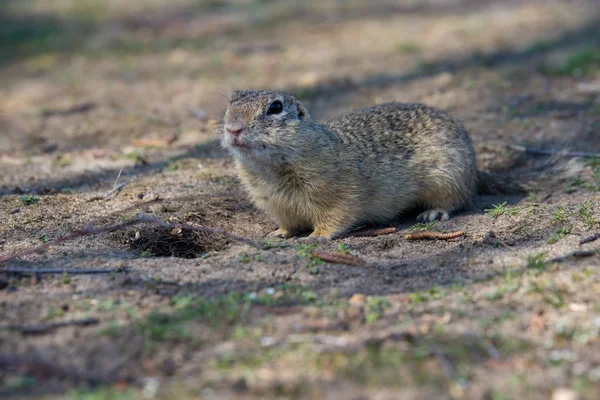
(365, 166)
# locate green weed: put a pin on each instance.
(585, 214)
(559, 234)
(536, 262)
(559, 215)
(578, 64)
(408, 48)
(29, 199)
(376, 307)
(424, 227)
(498, 210)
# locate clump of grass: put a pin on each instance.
(408, 48)
(559, 215)
(376, 307)
(424, 227)
(29, 199)
(313, 262)
(163, 326)
(343, 248)
(497, 210)
(434, 293)
(559, 234)
(513, 211)
(536, 262)
(549, 293)
(585, 214)
(387, 365)
(578, 64)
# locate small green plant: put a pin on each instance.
(172, 166)
(585, 214)
(66, 278)
(578, 64)
(305, 251)
(376, 307)
(29, 199)
(343, 248)
(559, 215)
(146, 253)
(435, 293)
(550, 294)
(424, 227)
(513, 211)
(243, 258)
(408, 48)
(537, 261)
(417, 297)
(574, 184)
(62, 160)
(559, 234)
(498, 210)
(44, 238)
(494, 295)
(55, 312)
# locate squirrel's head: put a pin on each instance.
(266, 125)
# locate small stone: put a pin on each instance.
(357, 299)
(578, 307)
(564, 394)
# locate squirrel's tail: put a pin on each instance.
(489, 183)
(552, 171)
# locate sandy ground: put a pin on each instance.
(93, 93)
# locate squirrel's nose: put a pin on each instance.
(234, 130)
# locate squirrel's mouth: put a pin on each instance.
(246, 147)
(239, 144)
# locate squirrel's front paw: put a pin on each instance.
(281, 233)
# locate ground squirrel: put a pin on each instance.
(365, 166)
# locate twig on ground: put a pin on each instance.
(574, 254)
(159, 142)
(424, 235)
(339, 258)
(79, 108)
(118, 177)
(116, 189)
(589, 239)
(44, 271)
(550, 152)
(374, 232)
(445, 363)
(42, 368)
(139, 219)
(38, 329)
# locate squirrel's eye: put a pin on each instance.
(275, 108)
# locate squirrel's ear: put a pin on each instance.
(301, 110)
